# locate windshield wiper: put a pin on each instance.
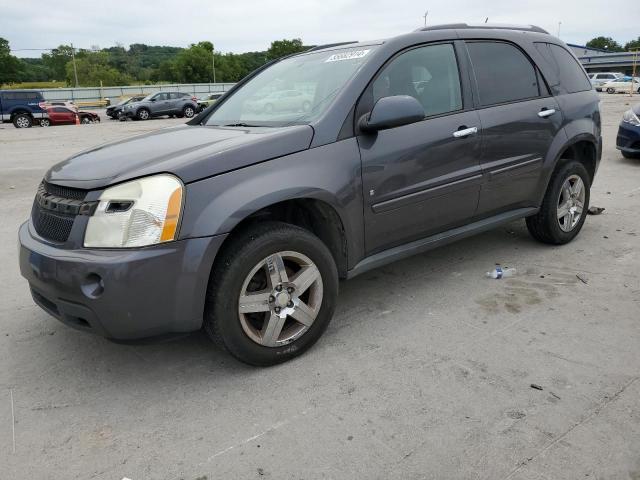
(240, 125)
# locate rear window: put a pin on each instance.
(503, 73)
(570, 76)
(21, 96)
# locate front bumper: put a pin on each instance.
(628, 138)
(121, 294)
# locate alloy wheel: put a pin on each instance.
(570, 203)
(280, 299)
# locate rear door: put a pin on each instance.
(519, 119)
(422, 178)
(162, 104)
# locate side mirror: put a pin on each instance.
(390, 112)
(153, 99)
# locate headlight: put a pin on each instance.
(137, 213)
(630, 117)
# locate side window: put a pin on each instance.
(429, 74)
(503, 73)
(572, 77)
(60, 110)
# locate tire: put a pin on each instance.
(245, 335)
(143, 114)
(85, 121)
(188, 111)
(23, 120)
(45, 122)
(611, 90)
(546, 226)
(630, 155)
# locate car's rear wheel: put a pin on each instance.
(272, 293)
(143, 114)
(45, 122)
(188, 111)
(22, 120)
(611, 90)
(564, 207)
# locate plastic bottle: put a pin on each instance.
(500, 272)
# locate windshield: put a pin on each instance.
(296, 90)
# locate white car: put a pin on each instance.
(597, 79)
(622, 85)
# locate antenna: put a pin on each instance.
(486, 20)
(425, 17)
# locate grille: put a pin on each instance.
(50, 225)
(64, 192)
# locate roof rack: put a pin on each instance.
(499, 26)
(329, 45)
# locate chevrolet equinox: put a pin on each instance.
(242, 221)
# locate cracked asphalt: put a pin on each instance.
(424, 373)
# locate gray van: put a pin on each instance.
(242, 221)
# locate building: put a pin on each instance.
(597, 60)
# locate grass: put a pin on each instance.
(33, 85)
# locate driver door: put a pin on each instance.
(422, 178)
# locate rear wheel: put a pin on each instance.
(22, 120)
(45, 122)
(188, 111)
(611, 90)
(564, 207)
(272, 293)
(143, 114)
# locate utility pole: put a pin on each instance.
(425, 17)
(213, 62)
(75, 70)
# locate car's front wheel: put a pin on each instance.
(564, 207)
(45, 122)
(22, 120)
(272, 293)
(143, 114)
(611, 90)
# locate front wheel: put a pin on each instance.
(85, 120)
(272, 293)
(564, 207)
(22, 120)
(143, 114)
(611, 90)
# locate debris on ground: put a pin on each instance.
(582, 279)
(595, 210)
(553, 394)
(536, 387)
(499, 272)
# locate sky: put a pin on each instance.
(250, 25)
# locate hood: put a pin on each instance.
(189, 152)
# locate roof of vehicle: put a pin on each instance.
(490, 26)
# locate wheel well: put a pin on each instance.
(20, 111)
(584, 152)
(316, 216)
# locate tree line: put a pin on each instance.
(139, 63)
(609, 44)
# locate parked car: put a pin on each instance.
(628, 139)
(242, 222)
(67, 116)
(114, 111)
(208, 100)
(163, 103)
(60, 103)
(23, 108)
(280, 101)
(622, 85)
(597, 79)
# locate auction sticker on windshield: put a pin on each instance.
(336, 57)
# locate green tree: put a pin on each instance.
(9, 65)
(605, 43)
(57, 61)
(280, 48)
(633, 44)
(194, 64)
(93, 67)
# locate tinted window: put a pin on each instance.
(572, 77)
(429, 74)
(60, 110)
(503, 73)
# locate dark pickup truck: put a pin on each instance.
(23, 108)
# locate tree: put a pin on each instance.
(605, 43)
(280, 48)
(93, 68)
(194, 64)
(633, 44)
(57, 61)
(9, 65)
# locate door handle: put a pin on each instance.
(465, 132)
(546, 112)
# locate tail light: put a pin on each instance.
(195, 99)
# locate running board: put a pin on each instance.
(428, 243)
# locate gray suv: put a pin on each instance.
(164, 103)
(242, 221)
